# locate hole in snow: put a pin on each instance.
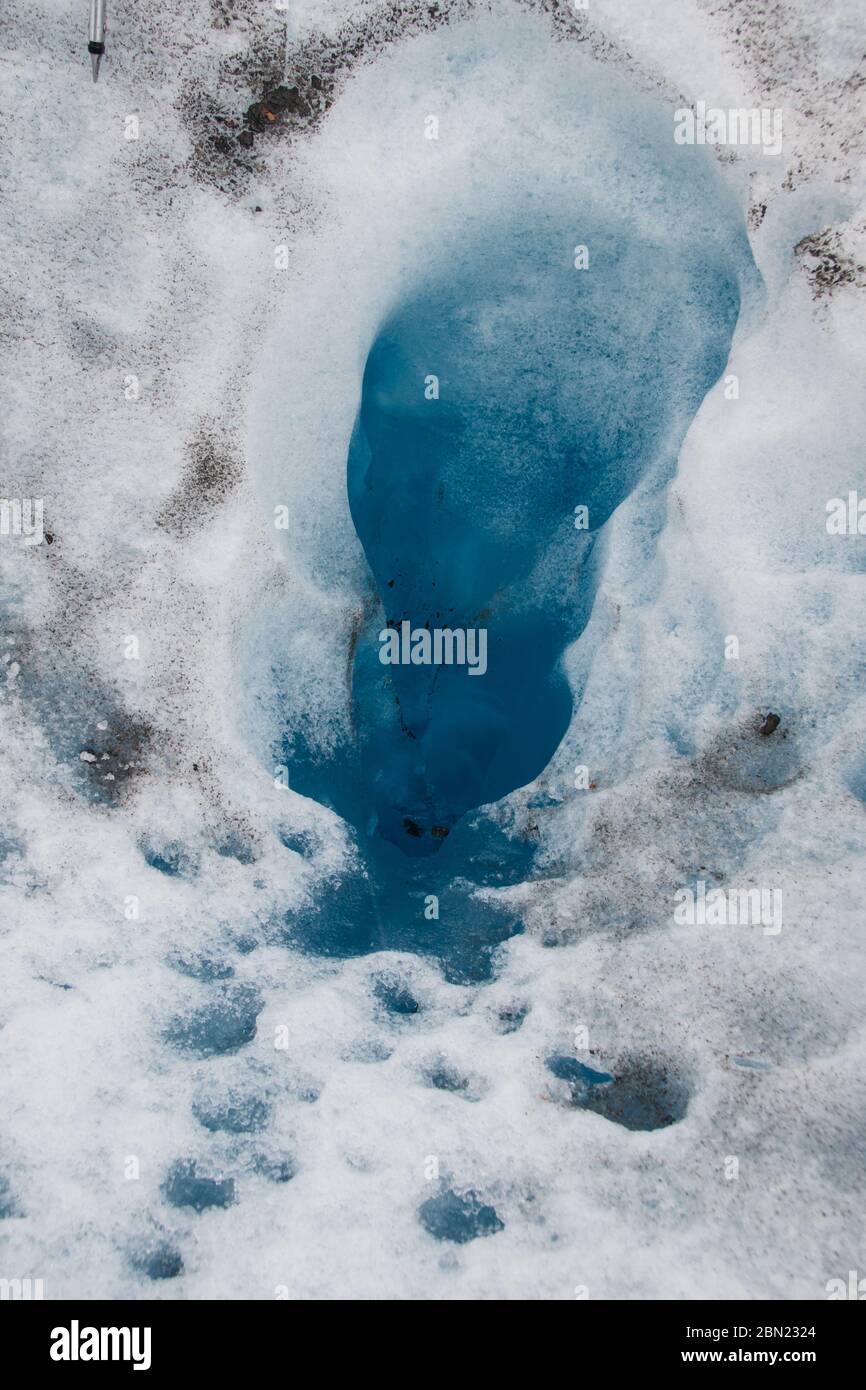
(224, 1024)
(234, 1113)
(642, 1095)
(186, 1186)
(157, 1259)
(450, 1216)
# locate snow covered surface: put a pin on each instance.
(167, 384)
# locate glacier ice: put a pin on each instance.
(242, 1053)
